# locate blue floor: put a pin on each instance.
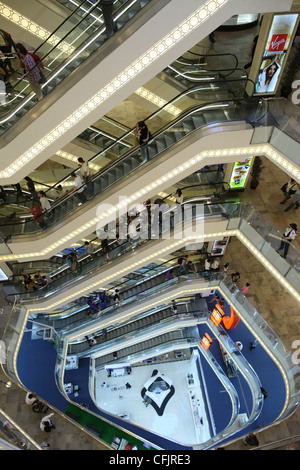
(267, 371)
(36, 365)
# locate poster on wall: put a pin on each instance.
(240, 173)
(275, 53)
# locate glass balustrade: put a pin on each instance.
(80, 35)
(265, 238)
(239, 302)
(189, 121)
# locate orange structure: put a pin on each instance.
(232, 321)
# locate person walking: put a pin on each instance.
(295, 200)
(30, 398)
(288, 236)
(85, 173)
(288, 190)
(251, 440)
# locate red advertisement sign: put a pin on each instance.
(277, 42)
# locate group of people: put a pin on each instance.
(42, 210)
(37, 282)
(38, 406)
(31, 63)
(99, 301)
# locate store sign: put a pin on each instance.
(206, 341)
(216, 315)
(278, 42)
(240, 174)
(275, 54)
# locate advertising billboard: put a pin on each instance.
(275, 53)
(240, 174)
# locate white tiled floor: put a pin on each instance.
(176, 422)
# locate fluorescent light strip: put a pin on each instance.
(160, 102)
(173, 247)
(25, 23)
(145, 60)
(73, 158)
(240, 152)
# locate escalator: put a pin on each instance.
(89, 268)
(69, 45)
(202, 189)
(80, 102)
(191, 120)
(130, 292)
(99, 273)
(112, 148)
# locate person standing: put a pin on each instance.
(85, 173)
(30, 398)
(89, 248)
(144, 135)
(245, 288)
(252, 52)
(78, 187)
(107, 7)
(31, 69)
(45, 203)
(31, 187)
(288, 236)
(105, 247)
(37, 215)
(46, 423)
(179, 196)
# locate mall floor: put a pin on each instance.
(277, 307)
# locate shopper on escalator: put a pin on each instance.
(144, 135)
(31, 69)
(45, 203)
(107, 7)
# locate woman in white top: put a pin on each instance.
(267, 79)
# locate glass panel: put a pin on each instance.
(71, 43)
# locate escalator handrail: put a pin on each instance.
(20, 293)
(25, 75)
(132, 150)
(58, 43)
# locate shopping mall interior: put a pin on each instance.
(149, 257)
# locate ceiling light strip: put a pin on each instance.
(239, 152)
(144, 61)
(160, 102)
(25, 23)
